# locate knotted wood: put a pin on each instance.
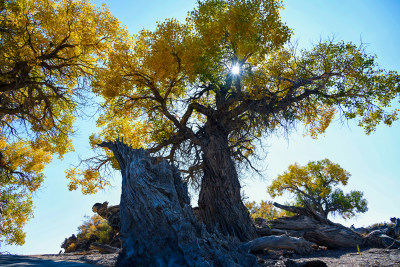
(299, 245)
(321, 231)
(158, 227)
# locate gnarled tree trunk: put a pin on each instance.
(319, 230)
(298, 244)
(329, 235)
(220, 206)
(158, 227)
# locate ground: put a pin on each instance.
(342, 257)
(60, 260)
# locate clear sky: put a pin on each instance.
(373, 161)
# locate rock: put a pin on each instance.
(311, 263)
(111, 214)
(361, 230)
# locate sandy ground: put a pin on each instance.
(59, 260)
(333, 258)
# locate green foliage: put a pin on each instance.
(358, 251)
(347, 205)
(315, 186)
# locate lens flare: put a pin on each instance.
(235, 70)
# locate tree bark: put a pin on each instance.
(306, 211)
(321, 231)
(299, 245)
(104, 248)
(158, 227)
(331, 236)
(220, 205)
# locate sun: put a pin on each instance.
(235, 69)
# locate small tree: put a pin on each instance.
(314, 186)
(93, 229)
(97, 226)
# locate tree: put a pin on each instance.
(315, 186)
(17, 209)
(48, 49)
(173, 91)
(94, 229)
(20, 175)
(265, 209)
(97, 226)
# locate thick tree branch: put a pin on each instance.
(303, 211)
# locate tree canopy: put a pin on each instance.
(48, 49)
(316, 186)
(161, 87)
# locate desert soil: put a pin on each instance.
(60, 260)
(342, 257)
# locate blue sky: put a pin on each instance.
(372, 160)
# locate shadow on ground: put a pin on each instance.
(17, 260)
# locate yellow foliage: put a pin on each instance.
(49, 45)
(318, 177)
(316, 185)
(317, 120)
(48, 49)
(264, 210)
(163, 88)
(148, 76)
(71, 247)
(89, 180)
(21, 165)
(17, 210)
(96, 226)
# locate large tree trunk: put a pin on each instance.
(158, 227)
(220, 205)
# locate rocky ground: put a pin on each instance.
(342, 257)
(60, 260)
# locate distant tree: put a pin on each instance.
(265, 209)
(47, 50)
(96, 226)
(94, 229)
(315, 186)
(202, 92)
